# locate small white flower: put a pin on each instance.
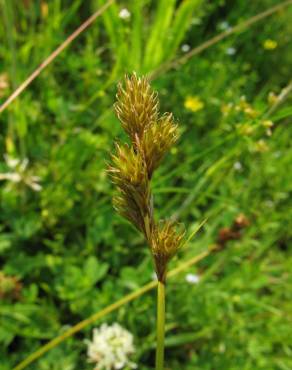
(230, 51)
(192, 278)
(111, 347)
(185, 48)
(224, 26)
(21, 173)
(237, 166)
(124, 13)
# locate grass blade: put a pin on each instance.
(180, 25)
(155, 45)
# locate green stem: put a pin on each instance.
(160, 325)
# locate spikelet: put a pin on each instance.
(129, 173)
(157, 140)
(136, 106)
(167, 239)
(132, 167)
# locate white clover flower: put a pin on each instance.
(20, 173)
(185, 48)
(111, 347)
(124, 13)
(192, 278)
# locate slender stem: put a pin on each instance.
(160, 325)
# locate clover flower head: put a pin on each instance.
(111, 348)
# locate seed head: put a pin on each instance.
(167, 239)
(128, 172)
(136, 106)
(157, 140)
(132, 166)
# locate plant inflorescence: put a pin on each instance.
(151, 135)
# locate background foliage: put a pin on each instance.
(65, 253)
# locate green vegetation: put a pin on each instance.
(65, 254)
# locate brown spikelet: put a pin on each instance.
(129, 173)
(128, 166)
(157, 140)
(167, 240)
(136, 106)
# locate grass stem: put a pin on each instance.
(160, 325)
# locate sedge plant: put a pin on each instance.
(151, 135)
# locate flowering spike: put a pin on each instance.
(128, 172)
(136, 106)
(157, 140)
(152, 135)
(166, 242)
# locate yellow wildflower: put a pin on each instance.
(270, 44)
(194, 103)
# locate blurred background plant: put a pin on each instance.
(62, 247)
